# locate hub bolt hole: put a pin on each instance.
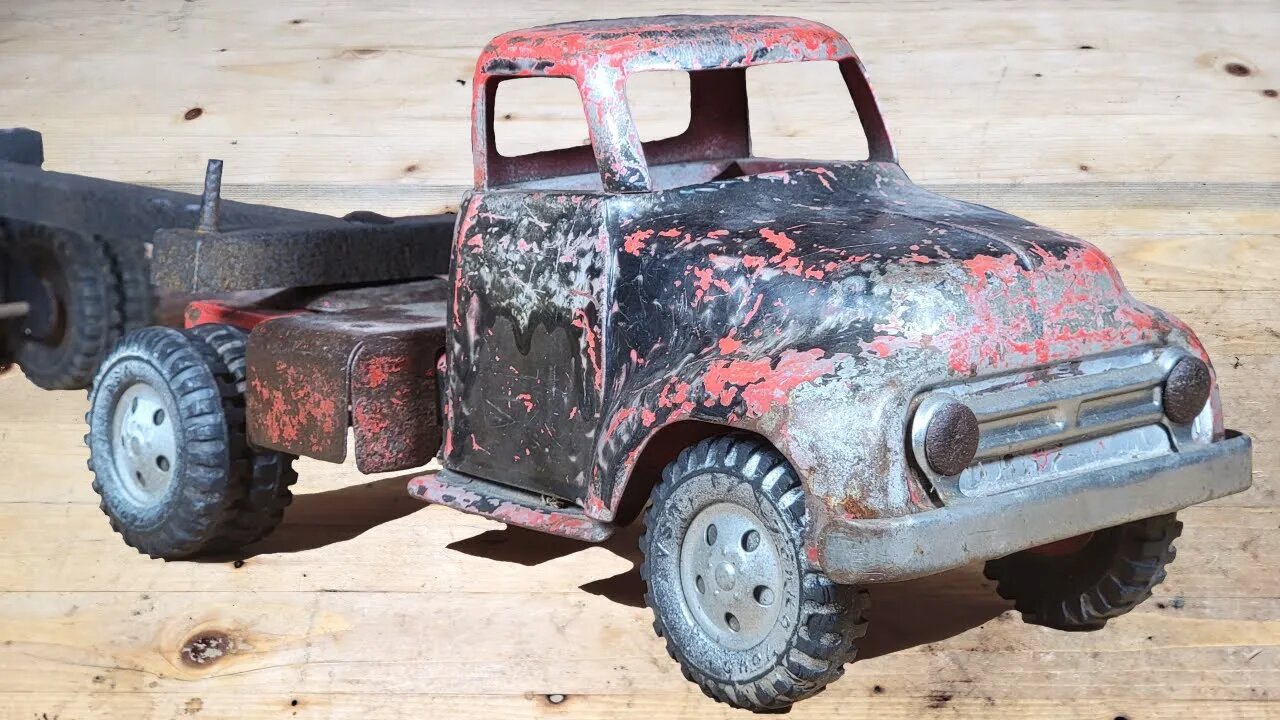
(162, 462)
(732, 621)
(701, 584)
(711, 534)
(750, 540)
(158, 418)
(763, 595)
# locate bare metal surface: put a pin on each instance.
(1031, 425)
(211, 200)
(11, 310)
(888, 549)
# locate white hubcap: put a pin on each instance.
(144, 443)
(731, 574)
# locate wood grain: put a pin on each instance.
(369, 604)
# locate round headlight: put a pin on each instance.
(951, 438)
(1186, 390)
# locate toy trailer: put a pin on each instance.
(80, 257)
(813, 374)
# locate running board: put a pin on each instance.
(510, 505)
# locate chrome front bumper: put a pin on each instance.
(885, 549)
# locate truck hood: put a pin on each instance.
(858, 262)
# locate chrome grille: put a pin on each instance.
(1066, 418)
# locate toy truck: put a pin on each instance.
(807, 376)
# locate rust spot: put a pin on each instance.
(855, 508)
(1269, 92)
(1084, 168)
(1238, 69)
(411, 168)
(296, 21)
(461, 82)
(1087, 47)
(193, 706)
(206, 648)
(237, 564)
(193, 113)
(877, 690)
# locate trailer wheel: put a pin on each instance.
(133, 274)
(270, 473)
(742, 611)
(1081, 583)
(75, 304)
(164, 446)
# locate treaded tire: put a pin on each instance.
(814, 635)
(133, 275)
(1112, 574)
(205, 486)
(270, 473)
(76, 268)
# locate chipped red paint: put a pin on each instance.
(504, 508)
(244, 316)
(600, 55)
(604, 294)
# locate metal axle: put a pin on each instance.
(11, 310)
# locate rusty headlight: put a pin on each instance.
(1186, 390)
(950, 438)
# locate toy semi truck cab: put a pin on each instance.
(809, 375)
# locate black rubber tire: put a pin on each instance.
(270, 473)
(133, 275)
(210, 459)
(807, 648)
(1112, 574)
(78, 269)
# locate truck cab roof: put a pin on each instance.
(599, 55)
(672, 42)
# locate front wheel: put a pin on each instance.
(165, 447)
(1081, 583)
(743, 613)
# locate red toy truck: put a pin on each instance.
(808, 376)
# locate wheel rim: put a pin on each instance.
(731, 575)
(39, 280)
(143, 443)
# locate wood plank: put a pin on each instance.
(369, 604)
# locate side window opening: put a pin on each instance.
(803, 110)
(659, 101)
(537, 114)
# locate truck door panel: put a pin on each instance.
(526, 346)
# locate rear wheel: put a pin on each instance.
(133, 274)
(1081, 583)
(270, 473)
(742, 612)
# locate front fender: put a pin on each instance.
(838, 419)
